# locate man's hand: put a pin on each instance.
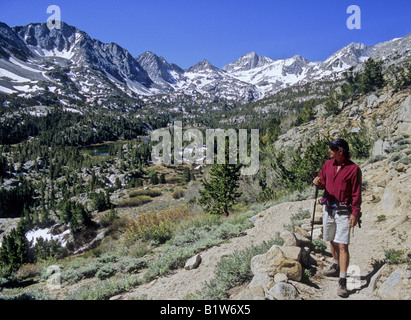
(317, 181)
(353, 221)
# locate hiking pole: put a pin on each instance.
(312, 226)
(312, 221)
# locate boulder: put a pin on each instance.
(301, 232)
(280, 277)
(292, 252)
(274, 261)
(193, 262)
(301, 241)
(288, 238)
(254, 293)
(283, 291)
(262, 280)
(394, 282)
(394, 200)
(404, 116)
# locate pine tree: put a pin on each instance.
(186, 175)
(220, 193)
(372, 76)
(13, 252)
(162, 178)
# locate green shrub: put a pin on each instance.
(319, 245)
(130, 265)
(359, 142)
(193, 240)
(395, 157)
(73, 275)
(394, 256)
(178, 193)
(147, 192)
(108, 217)
(297, 220)
(304, 167)
(382, 217)
(405, 160)
(106, 271)
(105, 289)
(108, 257)
(376, 158)
(134, 202)
(232, 271)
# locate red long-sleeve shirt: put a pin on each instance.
(342, 186)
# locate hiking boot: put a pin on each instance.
(334, 271)
(342, 288)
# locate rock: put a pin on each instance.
(274, 261)
(391, 199)
(371, 101)
(253, 219)
(380, 148)
(401, 167)
(293, 253)
(301, 241)
(100, 236)
(318, 233)
(254, 293)
(193, 262)
(394, 282)
(280, 277)
(262, 280)
(307, 227)
(288, 238)
(301, 232)
(6, 225)
(369, 198)
(92, 244)
(10, 184)
(283, 291)
(404, 116)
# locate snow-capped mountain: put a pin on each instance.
(77, 69)
(271, 76)
(247, 62)
(163, 74)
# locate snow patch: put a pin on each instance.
(20, 64)
(34, 235)
(12, 76)
(6, 90)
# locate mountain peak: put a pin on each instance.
(157, 67)
(247, 62)
(349, 55)
(204, 65)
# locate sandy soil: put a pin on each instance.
(367, 247)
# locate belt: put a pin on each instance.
(340, 207)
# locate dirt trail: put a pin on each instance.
(367, 244)
(184, 282)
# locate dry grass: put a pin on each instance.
(134, 202)
(148, 192)
(157, 226)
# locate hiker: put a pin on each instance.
(341, 179)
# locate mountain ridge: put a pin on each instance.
(94, 67)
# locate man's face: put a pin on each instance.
(334, 153)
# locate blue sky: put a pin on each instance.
(187, 31)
